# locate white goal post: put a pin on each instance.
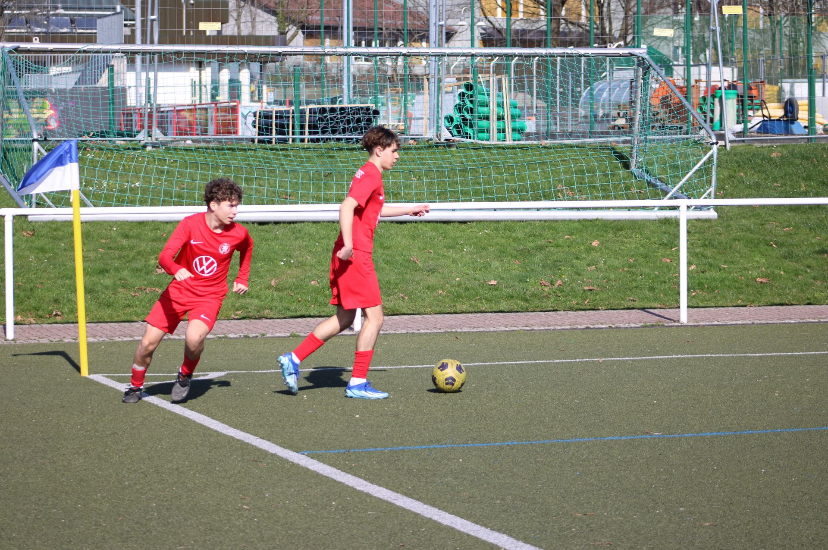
(478, 125)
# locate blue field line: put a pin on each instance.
(576, 440)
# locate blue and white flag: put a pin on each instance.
(57, 171)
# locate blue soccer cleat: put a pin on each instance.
(290, 372)
(364, 391)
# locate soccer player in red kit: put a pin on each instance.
(354, 282)
(204, 244)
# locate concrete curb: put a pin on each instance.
(463, 322)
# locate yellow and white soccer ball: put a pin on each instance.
(448, 375)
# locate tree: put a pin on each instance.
(614, 19)
(285, 17)
(562, 26)
(8, 9)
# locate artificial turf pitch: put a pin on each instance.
(661, 437)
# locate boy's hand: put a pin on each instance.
(182, 274)
(239, 288)
(419, 210)
(345, 253)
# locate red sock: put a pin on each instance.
(308, 346)
(189, 366)
(138, 375)
(362, 360)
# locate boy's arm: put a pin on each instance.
(245, 255)
(346, 227)
(391, 211)
(167, 257)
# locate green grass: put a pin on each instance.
(749, 256)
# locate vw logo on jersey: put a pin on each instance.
(205, 265)
(224, 248)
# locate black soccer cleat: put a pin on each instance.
(132, 395)
(181, 388)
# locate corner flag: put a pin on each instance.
(57, 171)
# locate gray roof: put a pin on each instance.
(102, 6)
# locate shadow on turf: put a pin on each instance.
(197, 389)
(622, 158)
(324, 377)
(656, 314)
(61, 354)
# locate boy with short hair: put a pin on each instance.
(205, 244)
(353, 280)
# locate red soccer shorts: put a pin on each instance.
(354, 282)
(169, 310)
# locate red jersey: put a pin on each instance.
(366, 189)
(207, 255)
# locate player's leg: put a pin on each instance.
(324, 331)
(202, 318)
(335, 324)
(371, 324)
(366, 290)
(162, 319)
(359, 386)
(344, 317)
(141, 361)
(193, 346)
(194, 338)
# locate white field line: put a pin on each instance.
(419, 508)
(209, 375)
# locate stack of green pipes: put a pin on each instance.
(470, 118)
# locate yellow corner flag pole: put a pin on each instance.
(59, 171)
(76, 225)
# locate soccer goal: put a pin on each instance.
(495, 127)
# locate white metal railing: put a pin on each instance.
(683, 209)
(440, 212)
(365, 51)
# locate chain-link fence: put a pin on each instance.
(778, 49)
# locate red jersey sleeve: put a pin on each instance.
(245, 249)
(366, 181)
(167, 257)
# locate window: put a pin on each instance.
(60, 24)
(38, 23)
(86, 24)
(17, 24)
